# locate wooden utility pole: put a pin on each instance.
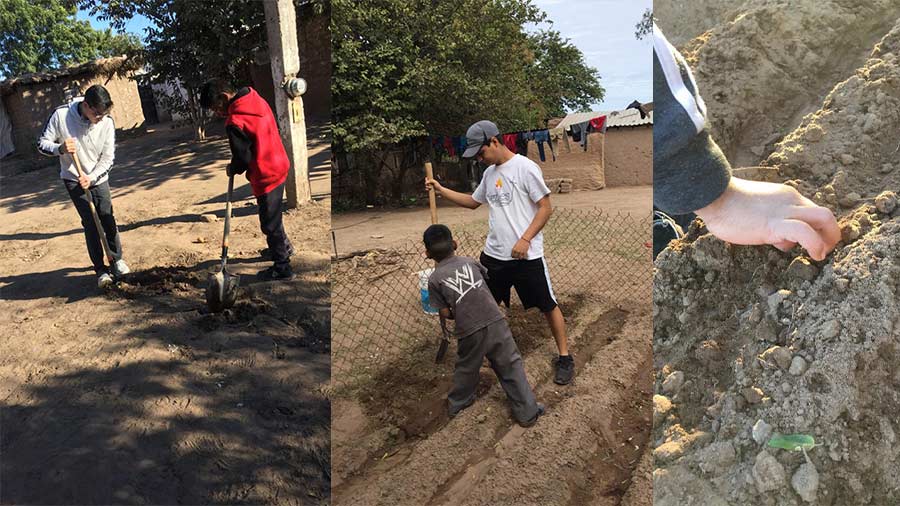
(284, 58)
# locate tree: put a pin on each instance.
(406, 68)
(38, 35)
(645, 26)
(559, 76)
(190, 42)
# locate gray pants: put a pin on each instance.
(103, 204)
(496, 343)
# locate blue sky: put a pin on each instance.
(604, 32)
(134, 25)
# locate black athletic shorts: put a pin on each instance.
(529, 277)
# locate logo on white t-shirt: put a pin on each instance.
(499, 197)
(464, 282)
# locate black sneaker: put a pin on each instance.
(534, 419)
(565, 370)
(275, 274)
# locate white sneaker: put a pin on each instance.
(120, 268)
(104, 281)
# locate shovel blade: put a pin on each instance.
(221, 291)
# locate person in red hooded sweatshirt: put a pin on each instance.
(256, 149)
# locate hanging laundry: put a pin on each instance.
(580, 133)
(459, 144)
(522, 143)
(540, 137)
(559, 133)
(437, 143)
(637, 105)
(448, 146)
(598, 124)
(510, 141)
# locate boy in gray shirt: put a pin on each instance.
(457, 290)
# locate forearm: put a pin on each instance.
(459, 198)
(537, 224)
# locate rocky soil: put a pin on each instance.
(749, 341)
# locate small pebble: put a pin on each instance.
(831, 329)
(806, 482)
(673, 382)
(768, 473)
(886, 202)
(209, 218)
(850, 231)
(761, 432)
(798, 366)
(803, 269)
(753, 395)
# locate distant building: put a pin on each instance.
(628, 157)
(28, 100)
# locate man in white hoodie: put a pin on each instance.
(85, 129)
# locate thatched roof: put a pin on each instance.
(104, 66)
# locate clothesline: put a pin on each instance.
(517, 142)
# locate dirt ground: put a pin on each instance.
(393, 444)
(138, 396)
(377, 228)
(392, 441)
(749, 342)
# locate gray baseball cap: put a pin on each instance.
(478, 135)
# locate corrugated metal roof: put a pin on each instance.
(625, 118)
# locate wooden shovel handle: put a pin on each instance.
(90, 199)
(432, 203)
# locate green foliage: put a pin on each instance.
(38, 35)
(403, 68)
(190, 42)
(559, 76)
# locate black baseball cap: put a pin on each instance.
(479, 135)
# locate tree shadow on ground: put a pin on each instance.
(183, 408)
(141, 163)
(68, 282)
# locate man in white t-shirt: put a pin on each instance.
(519, 200)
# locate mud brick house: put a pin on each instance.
(627, 160)
(28, 101)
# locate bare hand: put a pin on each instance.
(84, 181)
(520, 250)
(754, 212)
(433, 184)
(67, 147)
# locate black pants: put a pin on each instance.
(272, 226)
(496, 343)
(103, 203)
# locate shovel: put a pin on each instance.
(445, 342)
(432, 204)
(221, 287)
(90, 199)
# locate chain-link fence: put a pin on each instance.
(378, 319)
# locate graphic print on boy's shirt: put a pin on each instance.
(463, 282)
(457, 283)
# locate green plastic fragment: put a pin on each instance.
(793, 442)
